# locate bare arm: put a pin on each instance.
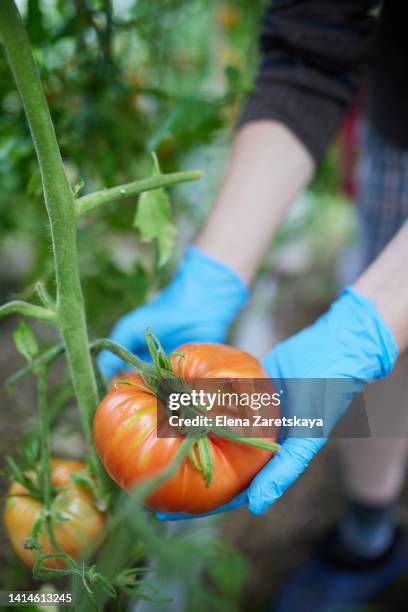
(268, 168)
(307, 78)
(385, 283)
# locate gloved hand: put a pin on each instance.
(350, 342)
(199, 304)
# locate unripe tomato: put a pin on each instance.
(81, 533)
(125, 434)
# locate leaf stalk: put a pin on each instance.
(90, 202)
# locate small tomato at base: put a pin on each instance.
(79, 534)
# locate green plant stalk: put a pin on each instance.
(60, 205)
(46, 456)
(45, 358)
(44, 296)
(94, 200)
(53, 353)
(29, 310)
(44, 435)
(45, 478)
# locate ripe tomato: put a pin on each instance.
(125, 434)
(80, 534)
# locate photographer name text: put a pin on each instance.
(255, 420)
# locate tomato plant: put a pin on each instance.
(65, 311)
(78, 525)
(60, 507)
(126, 435)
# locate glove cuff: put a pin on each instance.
(214, 267)
(368, 318)
(210, 278)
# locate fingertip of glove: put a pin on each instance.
(257, 504)
(162, 516)
(258, 507)
(168, 516)
(255, 510)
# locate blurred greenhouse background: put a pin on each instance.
(123, 78)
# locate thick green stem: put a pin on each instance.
(106, 196)
(62, 216)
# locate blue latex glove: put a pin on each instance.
(197, 306)
(351, 341)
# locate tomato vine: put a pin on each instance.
(66, 311)
(63, 210)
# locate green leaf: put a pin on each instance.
(36, 530)
(166, 243)
(153, 218)
(233, 75)
(20, 474)
(83, 478)
(190, 120)
(35, 22)
(204, 450)
(25, 341)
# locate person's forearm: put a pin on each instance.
(268, 168)
(385, 283)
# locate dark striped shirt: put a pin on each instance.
(314, 54)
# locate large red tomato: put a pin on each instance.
(125, 434)
(81, 533)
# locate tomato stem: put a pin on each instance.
(46, 456)
(29, 310)
(45, 358)
(229, 434)
(46, 478)
(44, 435)
(158, 376)
(97, 199)
(44, 296)
(59, 200)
